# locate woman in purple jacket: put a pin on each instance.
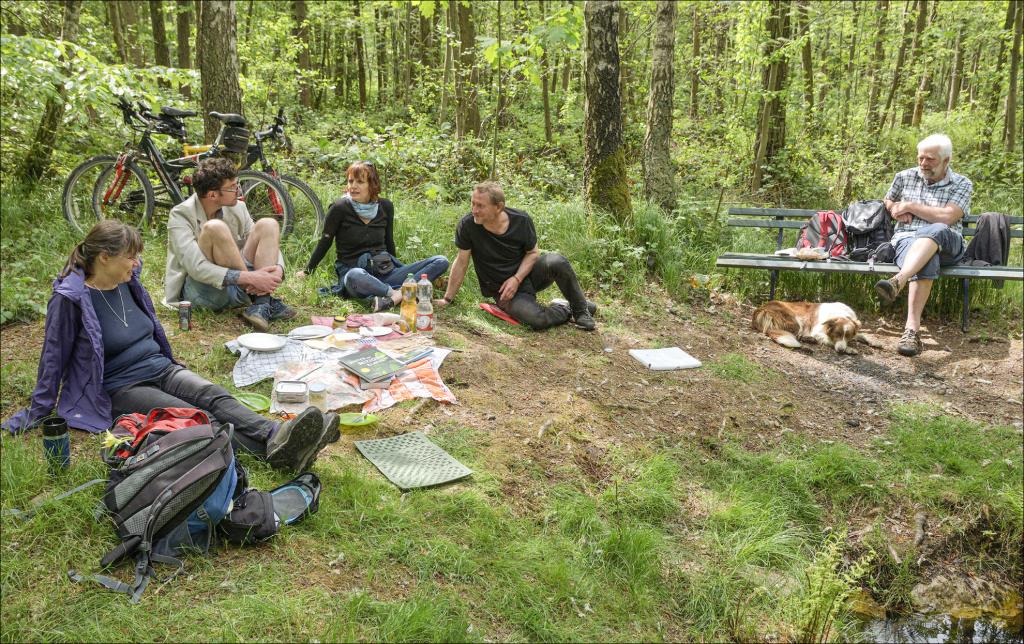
(106, 354)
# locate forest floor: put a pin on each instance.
(542, 413)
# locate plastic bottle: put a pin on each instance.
(425, 306)
(408, 309)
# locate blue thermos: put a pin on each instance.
(56, 444)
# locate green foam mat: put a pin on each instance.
(411, 460)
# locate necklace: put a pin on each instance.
(124, 312)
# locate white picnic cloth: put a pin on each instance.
(254, 366)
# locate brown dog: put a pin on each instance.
(831, 323)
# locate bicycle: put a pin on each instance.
(308, 219)
(122, 188)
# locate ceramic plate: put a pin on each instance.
(310, 332)
(379, 330)
(261, 341)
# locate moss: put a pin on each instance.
(608, 189)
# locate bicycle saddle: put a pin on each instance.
(175, 112)
(229, 119)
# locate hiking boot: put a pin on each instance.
(378, 303)
(887, 290)
(910, 343)
(281, 311)
(585, 321)
(289, 447)
(258, 316)
(330, 434)
(591, 306)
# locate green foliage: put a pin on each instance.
(736, 366)
(829, 584)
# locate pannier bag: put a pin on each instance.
(235, 139)
(824, 230)
(174, 471)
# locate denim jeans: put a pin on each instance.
(213, 298)
(179, 387)
(950, 243)
(551, 268)
(356, 282)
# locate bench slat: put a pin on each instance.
(772, 262)
(804, 213)
(776, 224)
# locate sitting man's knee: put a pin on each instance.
(215, 228)
(556, 261)
(267, 226)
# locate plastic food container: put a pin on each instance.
(318, 395)
(291, 391)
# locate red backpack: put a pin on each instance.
(164, 419)
(825, 230)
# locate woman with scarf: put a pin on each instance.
(361, 227)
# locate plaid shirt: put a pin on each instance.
(909, 185)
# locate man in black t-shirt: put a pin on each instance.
(503, 246)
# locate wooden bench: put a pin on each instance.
(785, 219)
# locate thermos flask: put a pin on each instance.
(56, 444)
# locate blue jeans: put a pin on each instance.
(213, 298)
(951, 249)
(356, 282)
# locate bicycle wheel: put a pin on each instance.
(95, 190)
(308, 222)
(266, 197)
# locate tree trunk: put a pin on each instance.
(468, 73)
(184, 29)
(771, 134)
(803, 13)
(160, 48)
(545, 70)
(659, 175)
(408, 47)
(876, 65)
(915, 58)
(37, 161)
(250, 6)
(604, 160)
(360, 59)
(924, 87)
(498, 107)
(957, 73)
(217, 59)
(1010, 129)
(446, 75)
(897, 72)
(380, 46)
(300, 34)
(973, 83)
(114, 16)
(995, 89)
(128, 10)
(694, 62)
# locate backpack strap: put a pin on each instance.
(25, 515)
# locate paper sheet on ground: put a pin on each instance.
(420, 380)
(665, 359)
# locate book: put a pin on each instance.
(414, 355)
(380, 384)
(665, 359)
(371, 364)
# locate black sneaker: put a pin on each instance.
(591, 306)
(378, 303)
(584, 321)
(281, 311)
(289, 447)
(258, 316)
(330, 434)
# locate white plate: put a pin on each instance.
(345, 336)
(310, 332)
(378, 330)
(261, 341)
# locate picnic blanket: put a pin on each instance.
(420, 380)
(254, 366)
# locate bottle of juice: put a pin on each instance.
(425, 306)
(408, 310)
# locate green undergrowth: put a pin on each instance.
(710, 543)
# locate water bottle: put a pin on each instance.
(425, 306)
(408, 309)
(56, 444)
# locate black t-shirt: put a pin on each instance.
(497, 257)
(352, 236)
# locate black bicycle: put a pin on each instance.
(119, 187)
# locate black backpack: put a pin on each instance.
(152, 491)
(868, 225)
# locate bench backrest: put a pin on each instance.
(786, 218)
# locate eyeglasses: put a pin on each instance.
(237, 189)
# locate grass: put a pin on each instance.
(709, 542)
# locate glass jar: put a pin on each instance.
(318, 395)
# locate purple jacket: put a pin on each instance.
(72, 358)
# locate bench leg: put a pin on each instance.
(774, 280)
(966, 311)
